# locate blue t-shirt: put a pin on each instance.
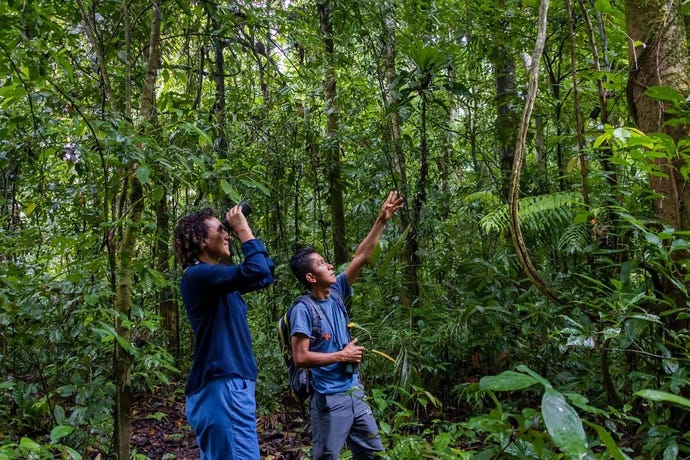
(327, 379)
(218, 314)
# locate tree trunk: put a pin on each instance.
(410, 285)
(126, 254)
(123, 305)
(577, 109)
(168, 305)
(658, 57)
(332, 148)
(506, 109)
(220, 142)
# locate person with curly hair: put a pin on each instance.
(221, 386)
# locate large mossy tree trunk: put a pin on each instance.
(658, 56)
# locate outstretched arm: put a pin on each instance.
(366, 248)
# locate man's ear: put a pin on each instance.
(310, 278)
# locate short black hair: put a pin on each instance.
(300, 264)
(189, 236)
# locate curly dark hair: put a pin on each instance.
(300, 264)
(190, 233)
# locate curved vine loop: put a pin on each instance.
(516, 232)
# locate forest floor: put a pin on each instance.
(160, 429)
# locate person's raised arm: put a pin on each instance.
(238, 222)
(368, 244)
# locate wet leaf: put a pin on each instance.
(563, 424)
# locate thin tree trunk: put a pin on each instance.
(506, 119)
(123, 305)
(540, 145)
(579, 125)
(506, 116)
(168, 306)
(126, 254)
(410, 285)
(332, 148)
(553, 68)
(90, 29)
(219, 106)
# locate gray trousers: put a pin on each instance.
(340, 418)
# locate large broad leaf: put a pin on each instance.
(60, 432)
(655, 395)
(563, 424)
(506, 381)
(534, 375)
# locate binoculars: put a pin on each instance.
(246, 210)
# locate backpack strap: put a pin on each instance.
(341, 304)
(315, 316)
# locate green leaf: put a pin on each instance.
(537, 377)
(563, 424)
(257, 185)
(606, 439)
(506, 381)
(143, 174)
(60, 432)
(665, 94)
(30, 209)
(157, 193)
(392, 252)
(73, 454)
(655, 395)
(30, 445)
(229, 191)
(204, 139)
(603, 5)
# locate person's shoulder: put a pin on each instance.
(300, 304)
(341, 287)
(300, 315)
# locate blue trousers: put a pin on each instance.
(343, 418)
(223, 417)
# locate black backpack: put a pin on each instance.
(300, 384)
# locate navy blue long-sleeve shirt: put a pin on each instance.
(218, 314)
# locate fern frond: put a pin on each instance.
(536, 213)
(575, 239)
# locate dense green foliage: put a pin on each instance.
(479, 363)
